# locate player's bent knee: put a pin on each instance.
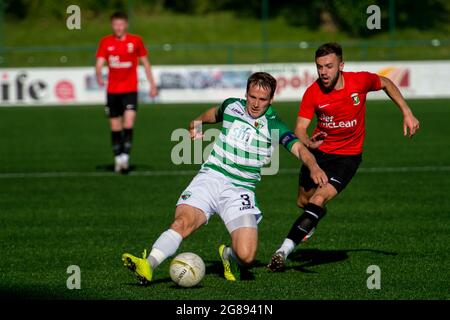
(318, 199)
(246, 255)
(181, 226)
(304, 197)
(187, 220)
(322, 198)
(184, 225)
(247, 260)
(245, 246)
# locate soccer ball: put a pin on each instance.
(187, 269)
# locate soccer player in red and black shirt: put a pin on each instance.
(122, 52)
(338, 99)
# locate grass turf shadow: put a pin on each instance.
(213, 267)
(216, 267)
(315, 257)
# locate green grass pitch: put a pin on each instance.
(398, 219)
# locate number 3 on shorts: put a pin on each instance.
(246, 199)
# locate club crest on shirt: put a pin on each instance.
(258, 125)
(355, 99)
(186, 195)
(130, 47)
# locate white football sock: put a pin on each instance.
(166, 246)
(287, 247)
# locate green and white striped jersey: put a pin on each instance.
(245, 144)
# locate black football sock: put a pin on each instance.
(116, 139)
(127, 140)
(306, 222)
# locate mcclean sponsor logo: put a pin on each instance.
(340, 124)
(328, 122)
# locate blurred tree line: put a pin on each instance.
(339, 15)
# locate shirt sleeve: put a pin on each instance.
(101, 51)
(287, 138)
(221, 109)
(370, 81)
(141, 49)
(306, 109)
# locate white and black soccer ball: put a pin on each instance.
(187, 269)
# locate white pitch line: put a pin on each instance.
(164, 173)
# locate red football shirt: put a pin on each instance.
(122, 58)
(341, 113)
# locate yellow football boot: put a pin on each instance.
(140, 266)
(231, 267)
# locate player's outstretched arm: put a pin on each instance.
(209, 116)
(410, 122)
(317, 174)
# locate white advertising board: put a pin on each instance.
(210, 83)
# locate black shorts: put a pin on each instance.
(117, 103)
(339, 169)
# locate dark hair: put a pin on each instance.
(263, 80)
(119, 15)
(329, 48)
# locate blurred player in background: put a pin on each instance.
(226, 181)
(338, 99)
(121, 51)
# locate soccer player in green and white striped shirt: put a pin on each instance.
(226, 181)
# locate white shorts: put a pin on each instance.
(212, 193)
